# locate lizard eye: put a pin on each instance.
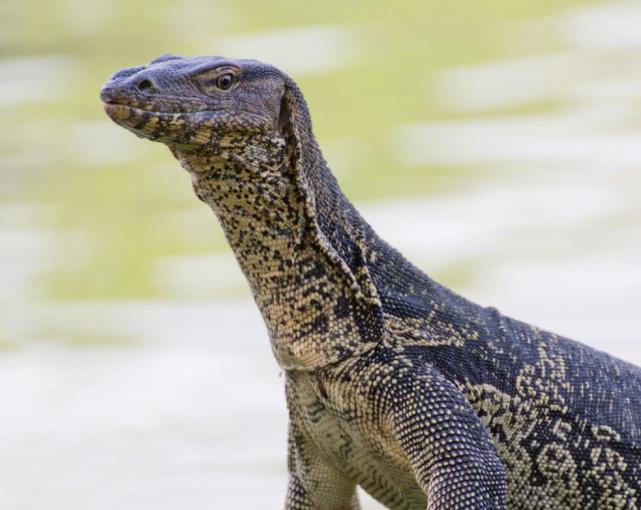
(224, 81)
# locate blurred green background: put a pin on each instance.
(497, 144)
(111, 195)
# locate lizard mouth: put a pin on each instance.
(115, 110)
(184, 128)
(166, 127)
(122, 111)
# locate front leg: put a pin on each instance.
(447, 446)
(313, 483)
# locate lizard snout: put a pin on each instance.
(125, 89)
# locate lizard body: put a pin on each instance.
(393, 382)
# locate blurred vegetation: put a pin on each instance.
(120, 203)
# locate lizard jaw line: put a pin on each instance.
(116, 108)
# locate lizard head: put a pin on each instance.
(191, 104)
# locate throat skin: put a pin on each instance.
(313, 290)
(328, 287)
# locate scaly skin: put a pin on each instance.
(393, 382)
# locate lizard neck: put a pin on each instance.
(287, 225)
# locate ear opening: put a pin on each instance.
(284, 114)
(293, 117)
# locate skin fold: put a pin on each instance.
(393, 382)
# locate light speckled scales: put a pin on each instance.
(394, 383)
(394, 424)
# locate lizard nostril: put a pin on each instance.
(144, 85)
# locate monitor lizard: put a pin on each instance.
(393, 382)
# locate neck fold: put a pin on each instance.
(301, 245)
